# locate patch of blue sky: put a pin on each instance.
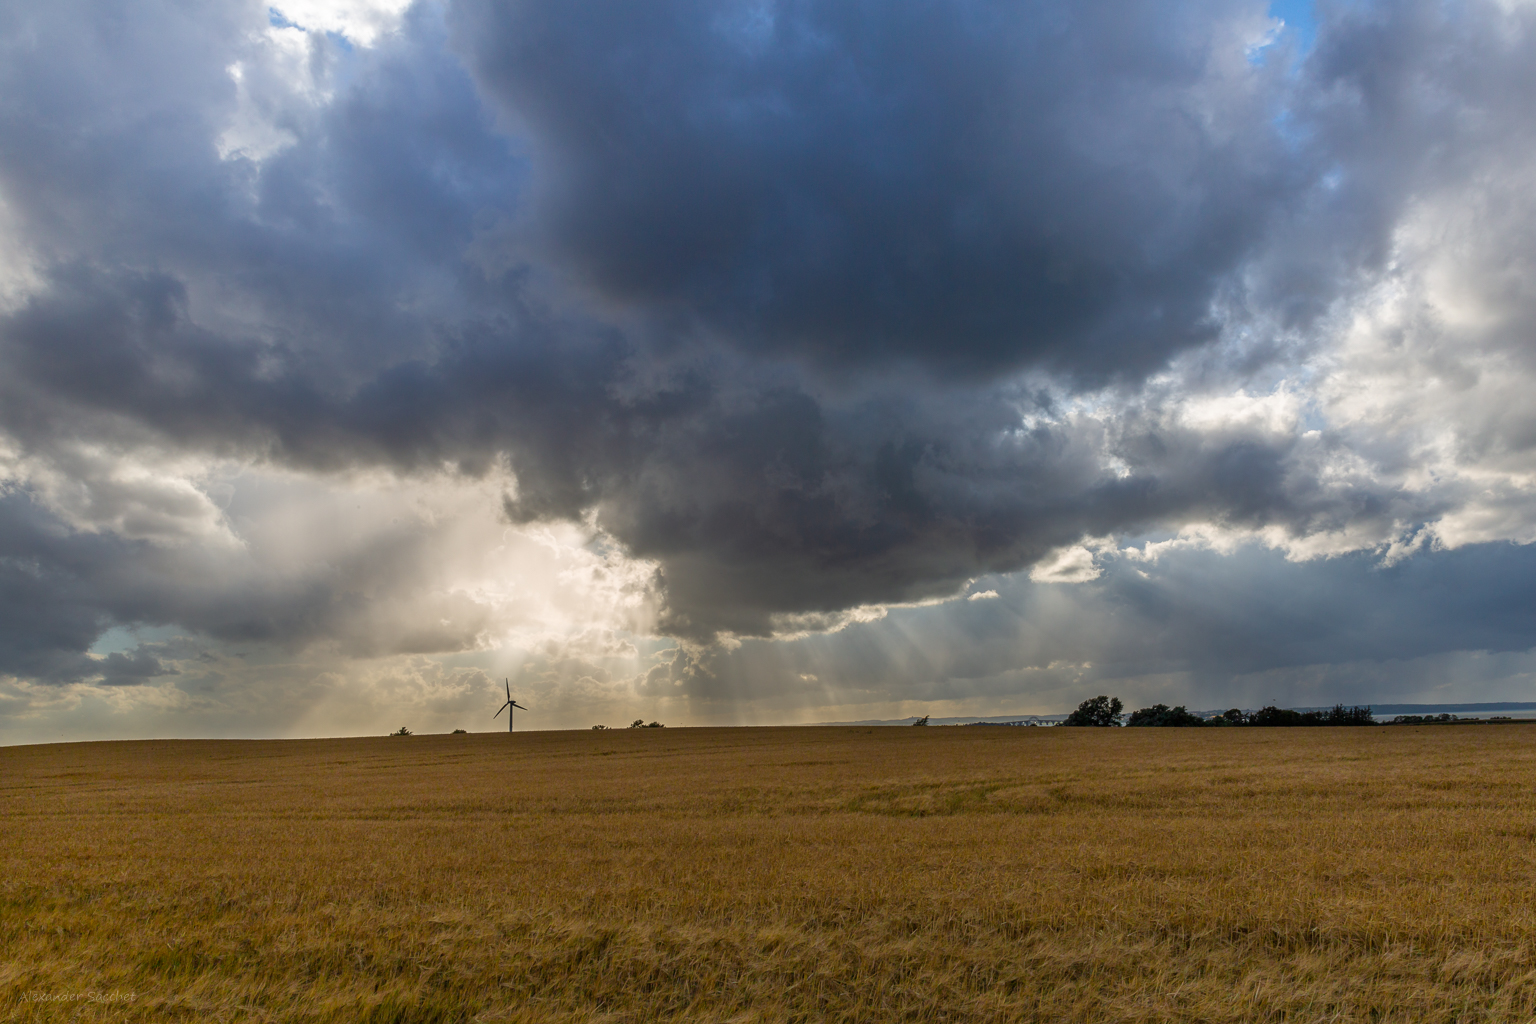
(1295, 33)
(277, 19)
(1300, 21)
(120, 639)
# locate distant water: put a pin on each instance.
(1507, 709)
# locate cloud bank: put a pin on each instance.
(705, 355)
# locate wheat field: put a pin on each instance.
(814, 874)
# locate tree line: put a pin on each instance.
(1104, 711)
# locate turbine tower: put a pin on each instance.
(509, 704)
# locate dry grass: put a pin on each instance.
(776, 875)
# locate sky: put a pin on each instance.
(759, 361)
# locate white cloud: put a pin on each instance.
(360, 21)
(138, 495)
(1073, 564)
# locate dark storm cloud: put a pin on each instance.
(119, 669)
(52, 605)
(49, 620)
(970, 185)
(340, 252)
(756, 500)
(750, 282)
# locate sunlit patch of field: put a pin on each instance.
(742, 875)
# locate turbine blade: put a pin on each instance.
(501, 709)
(509, 690)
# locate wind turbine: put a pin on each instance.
(509, 704)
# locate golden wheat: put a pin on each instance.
(776, 875)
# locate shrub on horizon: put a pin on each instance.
(1271, 717)
(1357, 715)
(1101, 712)
(1164, 716)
